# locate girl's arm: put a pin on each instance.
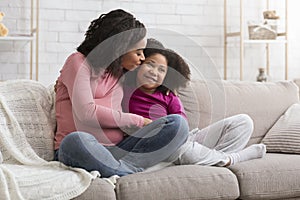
(175, 105)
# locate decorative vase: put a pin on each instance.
(262, 77)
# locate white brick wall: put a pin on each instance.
(189, 23)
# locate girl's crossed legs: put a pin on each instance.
(222, 143)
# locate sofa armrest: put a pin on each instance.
(32, 105)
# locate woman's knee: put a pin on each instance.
(175, 117)
(75, 139)
(74, 146)
(180, 125)
(80, 135)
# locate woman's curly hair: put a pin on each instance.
(108, 38)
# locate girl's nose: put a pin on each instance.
(153, 72)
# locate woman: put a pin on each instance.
(90, 122)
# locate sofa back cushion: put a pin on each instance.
(297, 81)
(209, 101)
(32, 105)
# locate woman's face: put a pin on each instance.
(134, 57)
(152, 73)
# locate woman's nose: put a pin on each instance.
(142, 57)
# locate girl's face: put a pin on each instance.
(152, 73)
(134, 57)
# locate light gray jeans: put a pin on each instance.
(211, 145)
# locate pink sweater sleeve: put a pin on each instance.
(76, 76)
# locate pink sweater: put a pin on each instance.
(90, 103)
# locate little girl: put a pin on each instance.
(150, 91)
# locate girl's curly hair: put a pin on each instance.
(108, 38)
(178, 74)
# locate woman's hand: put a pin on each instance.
(147, 121)
(129, 130)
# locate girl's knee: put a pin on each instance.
(248, 120)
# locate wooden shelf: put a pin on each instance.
(32, 37)
(282, 38)
(17, 38)
(248, 41)
(265, 41)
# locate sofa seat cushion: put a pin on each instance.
(179, 182)
(99, 189)
(275, 176)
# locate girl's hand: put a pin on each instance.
(147, 121)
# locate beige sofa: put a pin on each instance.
(277, 176)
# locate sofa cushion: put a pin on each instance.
(214, 100)
(284, 136)
(297, 81)
(276, 176)
(99, 189)
(32, 104)
(191, 106)
(179, 182)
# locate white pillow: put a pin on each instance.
(284, 136)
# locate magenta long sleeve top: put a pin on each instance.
(152, 106)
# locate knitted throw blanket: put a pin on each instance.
(24, 175)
